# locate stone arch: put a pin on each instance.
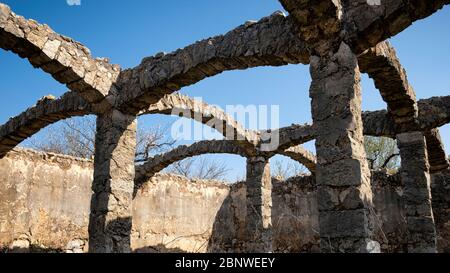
(303, 156)
(433, 113)
(66, 60)
(176, 104)
(47, 111)
(272, 41)
(384, 67)
(162, 161)
(211, 115)
(294, 135)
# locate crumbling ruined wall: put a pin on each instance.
(172, 214)
(295, 221)
(390, 222)
(45, 199)
(295, 216)
(440, 186)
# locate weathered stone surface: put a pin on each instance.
(417, 191)
(378, 123)
(270, 41)
(303, 156)
(160, 162)
(440, 190)
(433, 113)
(174, 214)
(44, 200)
(294, 228)
(209, 115)
(437, 157)
(341, 159)
(383, 66)
(111, 212)
(389, 207)
(258, 221)
(318, 22)
(68, 61)
(367, 25)
(49, 194)
(314, 28)
(47, 111)
(294, 135)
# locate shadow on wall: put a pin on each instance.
(158, 249)
(294, 218)
(31, 249)
(37, 249)
(191, 208)
(228, 227)
(441, 203)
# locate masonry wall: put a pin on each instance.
(44, 206)
(44, 199)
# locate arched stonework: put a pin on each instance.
(272, 41)
(436, 152)
(176, 104)
(44, 113)
(303, 156)
(160, 162)
(336, 37)
(383, 66)
(66, 60)
(367, 25)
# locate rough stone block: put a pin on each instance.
(344, 223)
(347, 172)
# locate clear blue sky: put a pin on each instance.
(127, 31)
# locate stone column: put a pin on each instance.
(111, 212)
(259, 206)
(417, 192)
(343, 176)
(440, 190)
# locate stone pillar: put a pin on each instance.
(440, 190)
(417, 193)
(111, 212)
(259, 206)
(343, 178)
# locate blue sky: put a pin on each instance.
(127, 31)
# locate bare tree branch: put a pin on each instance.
(389, 160)
(200, 168)
(382, 153)
(76, 137)
(150, 141)
(283, 171)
